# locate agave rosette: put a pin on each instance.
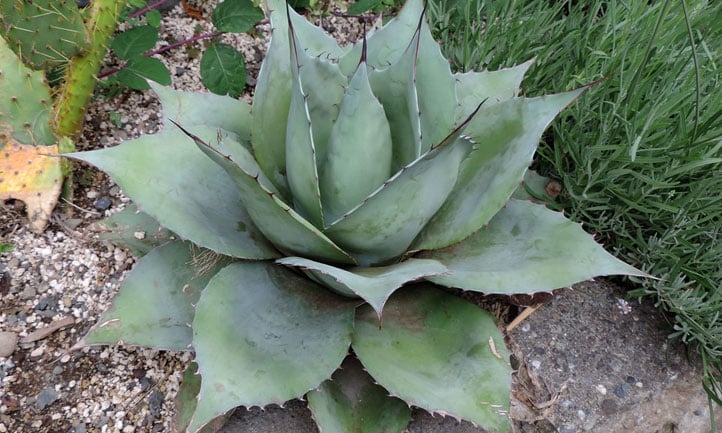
(331, 215)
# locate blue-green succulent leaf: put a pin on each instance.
(155, 303)
(205, 109)
(385, 224)
(496, 86)
(264, 335)
(435, 87)
(387, 44)
(316, 93)
(135, 230)
(169, 179)
(526, 248)
(394, 86)
(439, 352)
(272, 100)
(375, 284)
(506, 136)
(352, 402)
(358, 158)
(280, 224)
(272, 97)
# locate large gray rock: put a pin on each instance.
(589, 365)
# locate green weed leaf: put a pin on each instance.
(236, 16)
(140, 68)
(153, 18)
(135, 41)
(362, 6)
(223, 70)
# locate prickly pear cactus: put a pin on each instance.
(328, 219)
(45, 33)
(27, 171)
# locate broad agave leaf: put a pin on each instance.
(440, 353)
(358, 182)
(352, 402)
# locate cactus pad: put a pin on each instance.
(44, 33)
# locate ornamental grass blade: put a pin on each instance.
(155, 303)
(526, 248)
(134, 230)
(384, 225)
(507, 135)
(352, 402)
(496, 86)
(190, 195)
(205, 109)
(280, 224)
(358, 160)
(374, 285)
(264, 335)
(439, 352)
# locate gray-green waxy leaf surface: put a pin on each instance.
(205, 109)
(263, 334)
(386, 223)
(358, 158)
(155, 302)
(352, 402)
(526, 248)
(190, 196)
(134, 230)
(440, 353)
(375, 284)
(506, 136)
(285, 228)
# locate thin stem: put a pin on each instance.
(151, 6)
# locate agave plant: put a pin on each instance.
(329, 220)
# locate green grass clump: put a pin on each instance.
(640, 155)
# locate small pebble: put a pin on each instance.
(103, 203)
(8, 343)
(609, 406)
(37, 352)
(46, 397)
(622, 390)
(57, 370)
(602, 389)
(155, 403)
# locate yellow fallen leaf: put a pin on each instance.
(29, 174)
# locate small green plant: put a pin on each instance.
(223, 69)
(333, 215)
(6, 247)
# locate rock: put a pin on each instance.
(46, 397)
(651, 382)
(80, 428)
(8, 343)
(609, 406)
(155, 403)
(102, 203)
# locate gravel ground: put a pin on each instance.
(55, 285)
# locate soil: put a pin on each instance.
(55, 285)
